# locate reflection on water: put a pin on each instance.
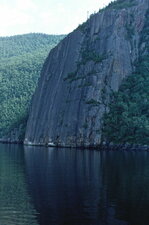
(15, 204)
(82, 187)
(73, 187)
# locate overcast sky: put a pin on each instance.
(45, 16)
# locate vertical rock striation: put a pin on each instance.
(79, 74)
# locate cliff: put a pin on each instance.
(80, 74)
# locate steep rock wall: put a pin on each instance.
(80, 73)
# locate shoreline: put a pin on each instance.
(105, 147)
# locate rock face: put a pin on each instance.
(79, 74)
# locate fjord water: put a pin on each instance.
(52, 186)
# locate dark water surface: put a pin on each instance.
(40, 186)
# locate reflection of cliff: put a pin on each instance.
(126, 177)
(60, 182)
(15, 203)
(88, 187)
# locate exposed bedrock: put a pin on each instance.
(79, 74)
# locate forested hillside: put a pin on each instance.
(21, 59)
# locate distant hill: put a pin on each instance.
(28, 43)
(21, 59)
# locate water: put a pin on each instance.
(40, 186)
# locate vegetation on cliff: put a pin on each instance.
(21, 59)
(128, 118)
(121, 4)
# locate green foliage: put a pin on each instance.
(128, 118)
(27, 43)
(71, 76)
(121, 4)
(93, 102)
(21, 60)
(86, 84)
(88, 55)
(85, 125)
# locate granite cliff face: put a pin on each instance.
(79, 74)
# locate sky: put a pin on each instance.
(45, 16)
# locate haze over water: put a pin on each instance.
(43, 186)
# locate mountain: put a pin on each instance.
(93, 83)
(21, 60)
